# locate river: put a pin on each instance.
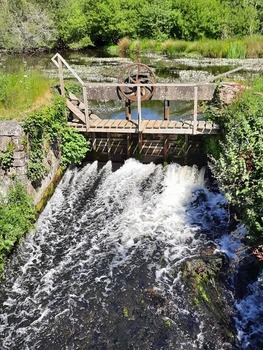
(105, 267)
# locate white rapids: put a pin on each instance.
(103, 239)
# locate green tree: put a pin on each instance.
(25, 25)
(199, 19)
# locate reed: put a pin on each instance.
(228, 48)
(237, 49)
(173, 48)
(254, 46)
(124, 45)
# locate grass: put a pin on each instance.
(21, 93)
(247, 47)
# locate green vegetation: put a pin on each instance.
(6, 157)
(47, 128)
(246, 47)
(20, 91)
(37, 24)
(239, 167)
(17, 215)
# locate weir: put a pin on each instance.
(140, 136)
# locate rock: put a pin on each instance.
(204, 278)
(4, 142)
(229, 91)
(10, 128)
(17, 142)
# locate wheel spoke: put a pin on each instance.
(137, 73)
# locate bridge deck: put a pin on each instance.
(85, 121)
(148, 126)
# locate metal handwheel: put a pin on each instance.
(137, 73)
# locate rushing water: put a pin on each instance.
(101, 270)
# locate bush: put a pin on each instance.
(239, 168)
(46, 127)
(17, 215)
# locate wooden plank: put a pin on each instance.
(122, 123)
(157, 124)
(115, 123)
(165, 124)
(129, 125)
(169, 124)
(94, 117)
(151, 124)
(108, 124)
(101, 123)
(208, 125)
(61, 77)
(75, 110)
(95, 123)
(73, 97)
(186, 124)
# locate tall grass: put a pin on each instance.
(20, 91)
(248, 47)
(254, 46)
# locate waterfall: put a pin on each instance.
(102, 270)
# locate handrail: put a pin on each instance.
(146, 84)
(60, 58)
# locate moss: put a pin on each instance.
(127, 313)
(202, 277)
(49, 191)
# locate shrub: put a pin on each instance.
(124, 45)
(17, 215)
(6, 157)
(239, 168)
(46, 127)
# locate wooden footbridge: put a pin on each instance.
(136, 84)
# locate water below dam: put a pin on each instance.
(106, 267)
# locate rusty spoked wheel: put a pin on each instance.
(137, 73)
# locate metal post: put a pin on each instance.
(140, 142)
(128, 148)
(186, 148)
(165, 147)
(108, 146)
(195, 110)
(166, 114)
(61, 78)
(139, 106)
(94, 142)
(85, 99)
(128, 109)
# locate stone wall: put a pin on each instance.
(12, 133)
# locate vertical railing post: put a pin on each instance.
(61, 78)
(166, 113)
(195, 110)
(85, 99)
(128, 110)
(139, 107)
